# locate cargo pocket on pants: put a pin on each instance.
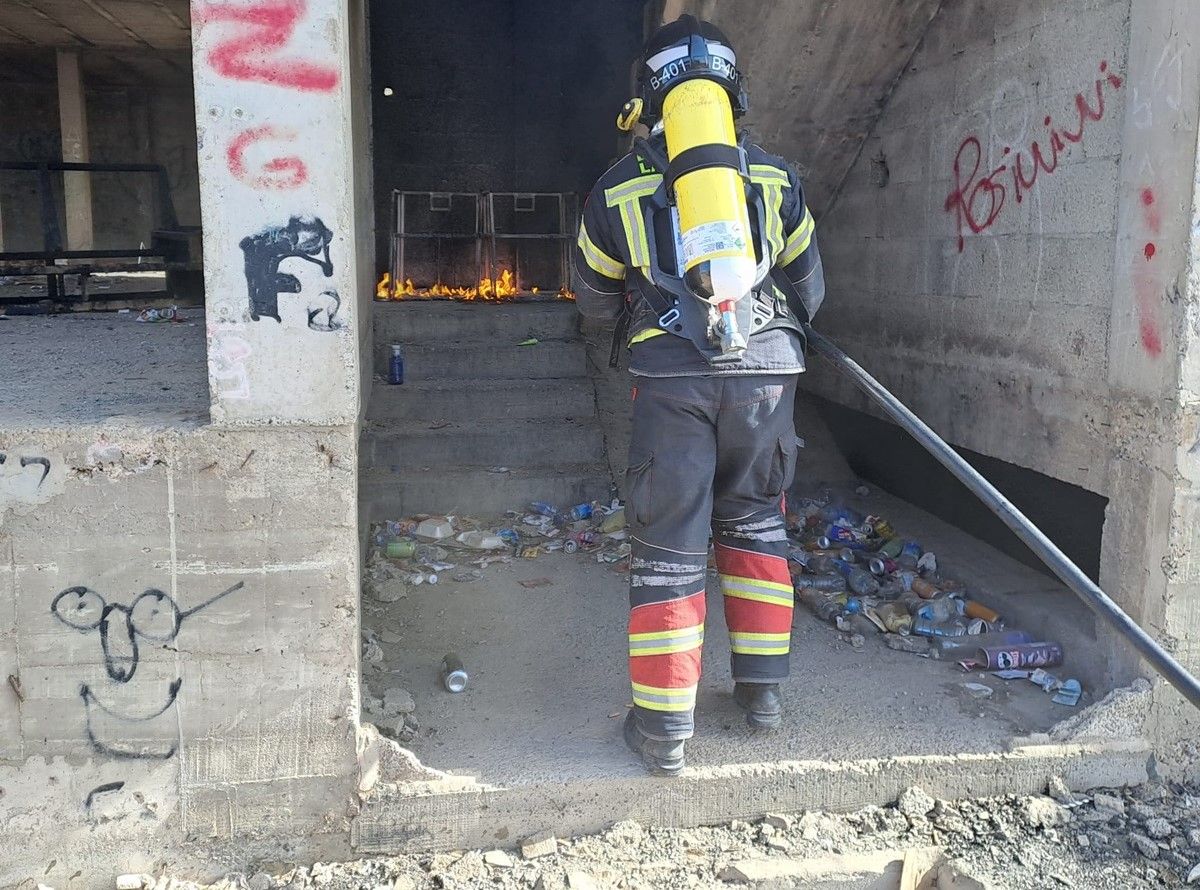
(638, 498)
(783, 464)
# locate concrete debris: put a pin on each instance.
(134, 882)
(544, 843)
(1058, 791)
(1043, 812)
(1143, 845)
(398, 701)
(1158, 827)
(915, 803)
(498, 859)
(1017, 843)
(1108, 802)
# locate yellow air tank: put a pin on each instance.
(714, 222)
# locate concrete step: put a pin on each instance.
(418, 322)
(411, 446)
(500, 360)
(475, 491)
(466, 400)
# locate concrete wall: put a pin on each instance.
(219, 725)
(226, 721)
(277, 176)
(127, 125)
(1039, 320)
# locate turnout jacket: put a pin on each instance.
(613, 266)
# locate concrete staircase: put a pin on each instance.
(474, 401)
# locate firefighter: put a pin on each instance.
(703, 250)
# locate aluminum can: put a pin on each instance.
(453, 674)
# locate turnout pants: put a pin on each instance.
(707, 455)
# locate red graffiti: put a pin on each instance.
(250, 53)
(973, 196)
(1145, 282)
(277, 172)
(1150, 211)
(1149, 250)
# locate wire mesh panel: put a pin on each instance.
(437, 237)
(531, 233)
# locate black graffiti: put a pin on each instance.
(106, 788)
(305, 238)
(119, 751)
(152, 616)
(42, 462)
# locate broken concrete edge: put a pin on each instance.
(475, 817)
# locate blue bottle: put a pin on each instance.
(396, 368)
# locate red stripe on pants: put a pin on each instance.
(678, 670)
(747, 564)
(752, 617)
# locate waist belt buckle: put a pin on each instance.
(668, 318)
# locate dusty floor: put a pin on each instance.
(548, 685)
(1115, 840)
(100, 367)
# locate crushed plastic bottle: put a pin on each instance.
(858, 579)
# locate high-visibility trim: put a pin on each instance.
(638, 187)
(798, 241)
(766, 173)
(659, 698)
(597, 259)
(645, 335)
(666, 642)
(760, 643)
(676, 613)
(757, 594)
(626, 197)
(773, 181)
(756, 582)
(752, 564)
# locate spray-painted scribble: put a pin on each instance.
(304, 238)
(251, 51)
(227, 354)
(272, 172)
(42, 462)
(153, 616)
(106, 788)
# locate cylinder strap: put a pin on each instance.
(701, 157)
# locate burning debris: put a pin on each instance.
(503, 288)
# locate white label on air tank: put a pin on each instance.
(712, 239)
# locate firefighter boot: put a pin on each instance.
(661, 758)
(761, 702)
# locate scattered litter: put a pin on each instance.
(855, 572)
(158, 315)
(477, 540)
(453, 673)
(435, 529)
(499, 470)
(533, 583)
(532, 341)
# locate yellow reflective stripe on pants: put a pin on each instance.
(759, 591)
(656, 698)
(596, 258)
(759, 643)
(798, 241)
(666, 642)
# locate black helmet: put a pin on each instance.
(686, 49)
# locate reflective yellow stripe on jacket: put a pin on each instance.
(626, 197)
(600, 262)
(798, 241)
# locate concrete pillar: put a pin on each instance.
(277, 185)
(77, 187)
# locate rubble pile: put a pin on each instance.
(856, 573)
(1105, 840)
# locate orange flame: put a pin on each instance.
(487, 290)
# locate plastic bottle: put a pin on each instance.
(859, 580)
(924, 589)
(954, 648)
(943, 608)
(821, 565)
(819, 603)
(826, 583)
(544, 509)
(396, 366)
(954, 628)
